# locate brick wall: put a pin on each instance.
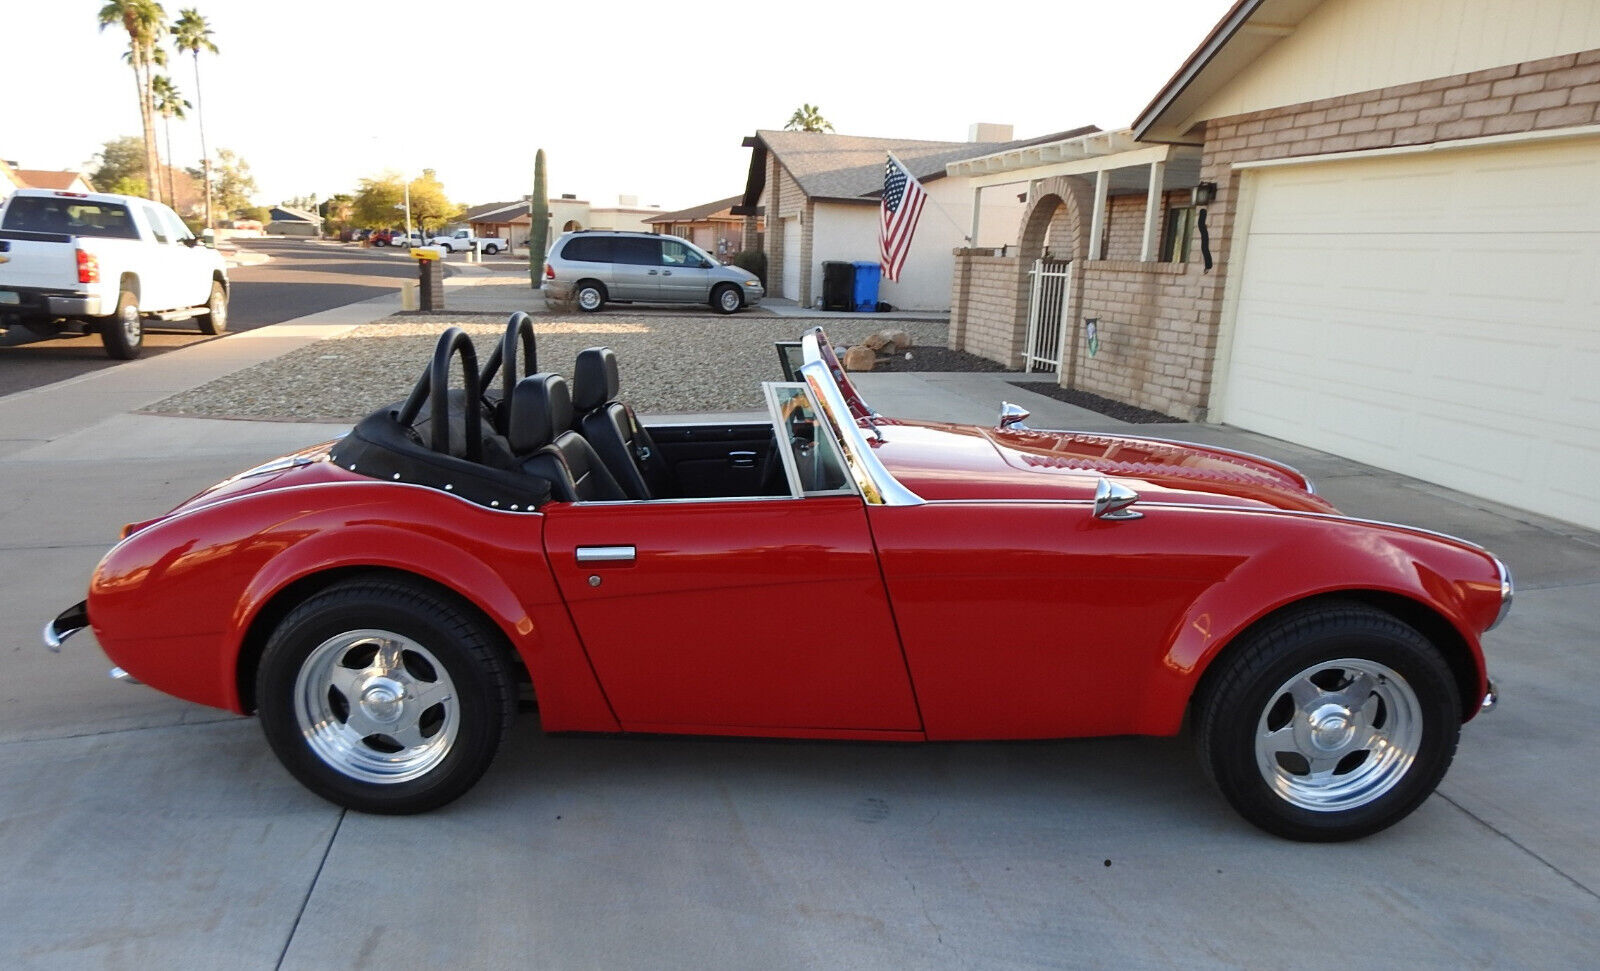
(989, 305)
(1156, 339)
(784, 199)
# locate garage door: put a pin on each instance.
(1436, 314)
(791, 259)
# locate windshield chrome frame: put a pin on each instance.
(877, 486)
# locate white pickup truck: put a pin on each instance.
(462, 239)
(98, 262)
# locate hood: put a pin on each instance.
(948, 461)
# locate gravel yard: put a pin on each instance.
(670, 364)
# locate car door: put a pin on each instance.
(683, 277)
(635, 268)
(739, 615)
(159, 269)
(191, 263)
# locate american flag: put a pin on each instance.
(902, 204)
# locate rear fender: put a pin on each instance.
(569, 695)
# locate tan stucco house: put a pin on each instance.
(1404, 238)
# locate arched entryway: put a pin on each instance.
(1053, 236)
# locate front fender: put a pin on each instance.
(1321, 556)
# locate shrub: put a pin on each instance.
(753, 260)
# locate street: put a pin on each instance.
(301, 277)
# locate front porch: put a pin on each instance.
(1124, 217)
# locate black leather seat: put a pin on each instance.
(541, 437)
(613, 429)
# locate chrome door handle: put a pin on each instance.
(666, 272)
(654, 272)
(605, 554)
(742, 460)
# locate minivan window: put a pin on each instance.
(588, 249)
(637, 251)
(675, 252)
(79, 217)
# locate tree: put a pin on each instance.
(808, 118)
(169, 102)
(429, 205)
(539, 212)
(145, 22)
(377, 202)
(192, 34)
(231, 183)
(119, 167)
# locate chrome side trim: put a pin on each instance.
(117, 674)
(605, 554)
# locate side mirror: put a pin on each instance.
(1111, 501)
(706, 264)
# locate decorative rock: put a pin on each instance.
(877, 342)
(899, 338)
(859, 358)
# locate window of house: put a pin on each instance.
(1176, 234)
(682, 232)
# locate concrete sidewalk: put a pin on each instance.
(144, 831)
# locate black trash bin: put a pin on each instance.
(838, 285)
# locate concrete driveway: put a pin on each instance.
(139, 831)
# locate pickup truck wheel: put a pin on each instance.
(590, 296)
(384, 697)
(1330, 723)
(216, 319)
(123, 333)
(491, 249)
(446, 247)
(727, 299)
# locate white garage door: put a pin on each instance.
(791, 259)
(1436, 314)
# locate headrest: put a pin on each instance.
(594, 379)
(541, 409)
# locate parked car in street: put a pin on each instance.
(93, 261)
(462, 240)
(590, 268)
(383, 601)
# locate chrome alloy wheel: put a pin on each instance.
(1338, 735)
(729, 300)
(589, 298)
(376, 706)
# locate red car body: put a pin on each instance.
(1000, 605)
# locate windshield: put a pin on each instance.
(816, 347)
(76, 217)
(841, 409)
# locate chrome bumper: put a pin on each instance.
(74, 306)
(1490, 699)
(65, 624)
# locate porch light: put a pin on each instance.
(1204, 193)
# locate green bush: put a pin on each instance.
(753, 260)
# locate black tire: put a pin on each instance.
(491, 249)
(411, 643)
(726, 299)
(589, 296)
(215, 320)
(446, 247)
(1313, 684)
(123, 332)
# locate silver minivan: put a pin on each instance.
(593, 267)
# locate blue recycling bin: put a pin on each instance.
(866, 288)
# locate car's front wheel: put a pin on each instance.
(384, 697)
(215, 320)
(727, 299)
(1329, 723)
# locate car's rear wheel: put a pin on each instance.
(590, 296)
(491, 249)
(727, 299)
(384, 697)
(123, 333)
(1329, 723)
(215, 320)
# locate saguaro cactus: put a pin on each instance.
(539, 211)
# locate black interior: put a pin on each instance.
(517, 442)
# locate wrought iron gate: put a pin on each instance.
(1049, 294)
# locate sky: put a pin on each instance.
(626, 98)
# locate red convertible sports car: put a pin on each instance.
(383, 601)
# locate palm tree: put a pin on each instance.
(169, 102)
(145, 22)
(192, 34)
(807, 118)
